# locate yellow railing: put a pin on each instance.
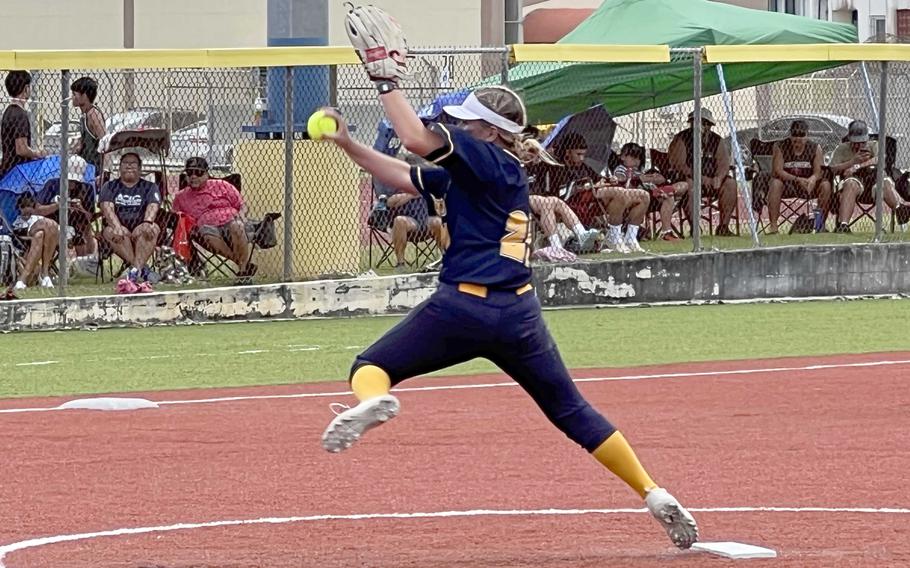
(808, 52)
(344, 55)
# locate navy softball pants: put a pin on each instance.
(452, 327)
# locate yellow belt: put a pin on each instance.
(481, 291)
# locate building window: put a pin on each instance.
(822, 10)
(878, 28)
(903, 23)
(788, 6)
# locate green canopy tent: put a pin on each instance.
(552, 90)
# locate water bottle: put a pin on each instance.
(819, 217)
(7, 259)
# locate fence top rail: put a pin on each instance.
(807, 52)
(344, 55)
(589, 53)
(303, 56)
(177, 58)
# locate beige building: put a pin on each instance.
(101, 24)
(104, 24)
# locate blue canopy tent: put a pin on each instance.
(30, 177)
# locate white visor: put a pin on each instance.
(473, 109)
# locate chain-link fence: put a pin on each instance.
(748, 197)
(623, 177)
(308, 211)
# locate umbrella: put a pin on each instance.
(386, 140)
(595, 125)
(31, 177)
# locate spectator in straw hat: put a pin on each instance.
(717, 183)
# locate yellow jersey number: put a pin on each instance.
(516, 244)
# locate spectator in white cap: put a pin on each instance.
(81, 205)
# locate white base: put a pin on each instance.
(108, 403)
(734, 550)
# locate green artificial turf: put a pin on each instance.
(122, 360)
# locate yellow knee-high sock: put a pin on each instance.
(370, 381)
(617, 455)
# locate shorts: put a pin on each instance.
(416, 209)
(793, 189)
(24, 224)
(866, 178)
(223, 232)
(710, 192)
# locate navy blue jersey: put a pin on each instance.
(486, 210)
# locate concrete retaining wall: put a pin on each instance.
(710, 276)
(732, 275)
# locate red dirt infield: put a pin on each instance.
(836, 437)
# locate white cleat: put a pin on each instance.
(620, 247)
(588, 240)
(349, 426)
(634, 246)
(679, 524)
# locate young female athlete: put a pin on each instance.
(484, 306)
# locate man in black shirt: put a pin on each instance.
(15, 130)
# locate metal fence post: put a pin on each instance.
(64, 201)
(288, 171)
(882, 154)
(696, 152)
(504, 70)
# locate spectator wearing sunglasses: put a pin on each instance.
(796, 171)
(216, 208)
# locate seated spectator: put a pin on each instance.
(855, 161)
(620, 203)
(42, 238)
(410, 215)
(663, 196)
(717, 183)
(549, 210)
(216, 208)
(129, 206)
(796, 171)
(81, 208)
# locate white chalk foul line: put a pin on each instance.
(36, 363)
(44, 541)
(645, 377)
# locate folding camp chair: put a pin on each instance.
(865, 201)
(152, 145)
(661, 161)
(710, 208)
(204, 263)
(379, 222)
(792, 204)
